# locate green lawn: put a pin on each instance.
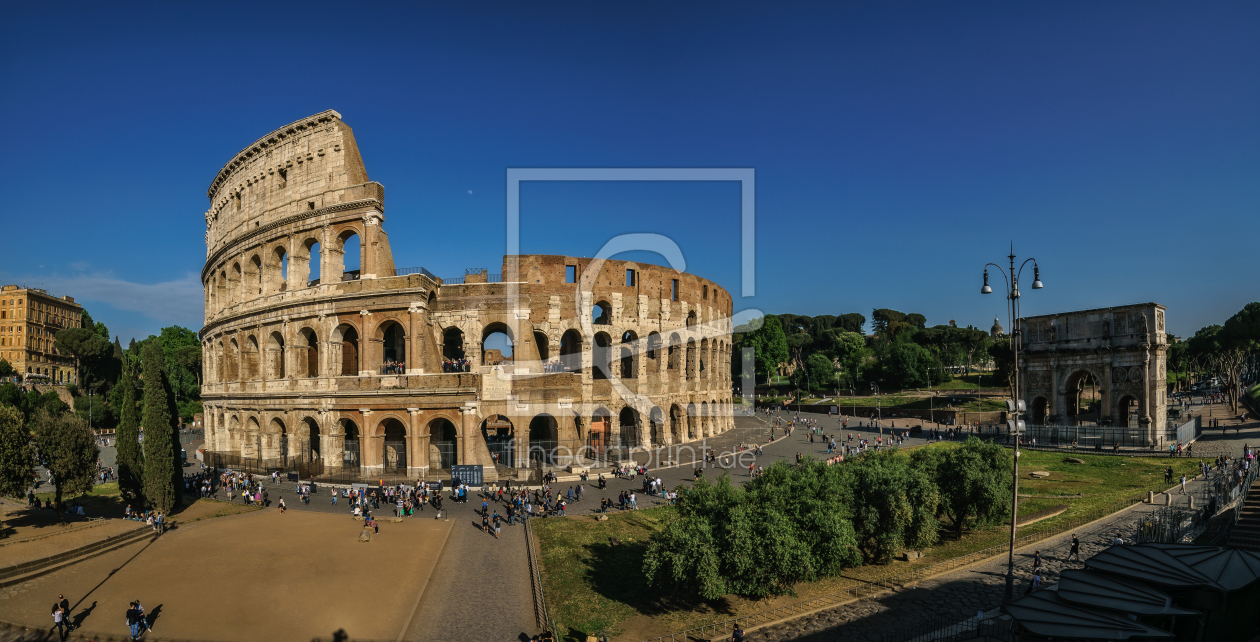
(593, 587)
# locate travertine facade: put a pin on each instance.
(347, 373)
(1123, 348)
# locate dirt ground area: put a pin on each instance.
(260, 576)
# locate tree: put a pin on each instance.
(851, 322)
(130, 459)
(68, 449)
(6, 369)
(892, 505)
(817, 373)
(974, 481)
(797, 343)
(17, 462)
(160, 472)
(888, 322)
(769, 345)
(89, 349)
(785, 527)
(908, 365)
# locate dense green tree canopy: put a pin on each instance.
(893, 505)
(17, 463)
(161, 474)
(68, 449)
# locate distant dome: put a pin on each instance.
(996, 330)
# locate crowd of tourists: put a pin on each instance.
(393, 368)
(455, 365)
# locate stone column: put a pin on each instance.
(371, 236)
(333, 447)
(417, 452)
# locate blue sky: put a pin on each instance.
(897, 146)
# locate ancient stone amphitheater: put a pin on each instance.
(385, 371)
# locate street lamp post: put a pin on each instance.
(879, 413)
(1015, 405)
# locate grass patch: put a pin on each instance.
(593, 587)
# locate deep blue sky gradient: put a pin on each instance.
(897, 146)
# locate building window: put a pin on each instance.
(705, 292)
(570, 274)
(630, 278)
(674, 290)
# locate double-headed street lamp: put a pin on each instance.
(879, 413)
(1016, 405)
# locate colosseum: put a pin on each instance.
(315, 366)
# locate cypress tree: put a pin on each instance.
(159, 459)
(130, 459)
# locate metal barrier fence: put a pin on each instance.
(541, 615)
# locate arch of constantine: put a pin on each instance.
(1105, 365)
(311, 364)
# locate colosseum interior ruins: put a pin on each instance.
(316, 366)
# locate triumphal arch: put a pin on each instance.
(316, 361)
(1112, 356)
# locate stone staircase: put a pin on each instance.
(1246, 532)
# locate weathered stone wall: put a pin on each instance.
(294, 368)
(1123, 348)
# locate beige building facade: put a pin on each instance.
(29, 321)
(386, 371)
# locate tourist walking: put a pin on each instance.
(133, 621)
(1076, 548)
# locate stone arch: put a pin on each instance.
(308, 353)
(500, 436)
(653, 351)
(1127, 404)
(1040, 411)
(392, 337)
(677, 424)
(706, 423)
(543, 439)
(629, 355)
(453, 343)
(497, 328)
(250, 438)
(692, 358)
(249, 358)
(691, 318)
(234, 360)
(1081, 389)
(253, 284)
(349, 270)
(675, 352)
(600, 435)
(233, 436)
(313, 444)
(443, 438)
(275, 443)
(352, 448)
(348, 336)
(540, 342)
(601, 367)
(628, 423)
(275, 356)
(693, 422)
(394, 444)
(601, 313)
(235, 281)
(657, 435)
(310, 259)
(277, 270)
(571, 350)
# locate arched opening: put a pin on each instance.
(496, 345)
(1083, 400)
(676, 424)
(543, 435)
(432, 304)
(500, 438)
(394, 456)
(1126, 412)
(310, 364)
(313, 446)
(600, 366)
(442, 437)
(629, 363)
(601, 313)
(452, 344)
(691, 359)
(254, 277)
(675, 352)
(220, 363)
(222, 297)
(351, 251)
(277, 443)
(250, 443)
(278, 271)
(349, 350)
(540, 342)
(311, 250)
(350, 451)
(571, 351)
(706, 425)
(275, 356)
(234, 357)
(393, 348)
(657, 418)
(628, 422)
(235, 284)
(693, 423)
(691, 318)
(653, 350)
(597, 439)
(250, 358)
(1040, 409)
